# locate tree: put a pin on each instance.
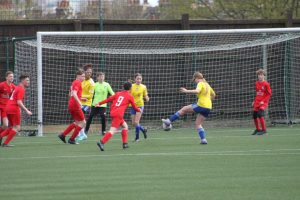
(231, 9)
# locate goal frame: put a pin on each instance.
(128, 33)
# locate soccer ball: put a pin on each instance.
(167, 128)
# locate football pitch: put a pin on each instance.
(168, 165)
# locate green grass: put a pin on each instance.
(168, 165)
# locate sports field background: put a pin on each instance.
(168, 165)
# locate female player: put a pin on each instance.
(205, 95)
(139, 92)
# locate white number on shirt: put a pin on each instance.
(119, 101)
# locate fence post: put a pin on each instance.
(185, 23)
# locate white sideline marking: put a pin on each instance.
(266, 152)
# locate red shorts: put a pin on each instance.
(14, 119)
(116, 122)
(77, 115)
(260, 107)
(3, 113)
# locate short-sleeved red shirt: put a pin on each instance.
(73, 104)
(5, 93)
(12, 105)
(263, 93)
(120, 101)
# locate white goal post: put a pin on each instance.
(167, 59)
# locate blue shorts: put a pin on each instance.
(133, 112)
(86, 109)
(203, 111)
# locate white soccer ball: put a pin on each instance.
(167, 128)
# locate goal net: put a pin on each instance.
(167, 60)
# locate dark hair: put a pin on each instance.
(87, 66)
(127, 86)
(23, 76)
(8, 73)
(79, 71)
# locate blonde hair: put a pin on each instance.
(198, 75)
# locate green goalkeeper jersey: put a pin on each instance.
(101, 92)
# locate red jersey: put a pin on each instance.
(5, 93)
(120, 101)
(12, 105)
(263, 93)
(73, 104)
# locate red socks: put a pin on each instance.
(5, 132)
(106, 137)
(263, 124)
(10, 136)
(256, 124)
(76, 132)
(124, 136)
(69, 129)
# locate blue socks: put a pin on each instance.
(201, 133)
(174, 117)
(137, 131)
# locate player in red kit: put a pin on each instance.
(13, 110)
(260, 103)
(6, 89)
(120, 101)
(75, 109)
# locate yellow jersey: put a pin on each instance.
(204, 96)
(87, 91)
(139, 92)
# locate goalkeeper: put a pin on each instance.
(101, 91)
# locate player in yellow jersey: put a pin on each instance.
(88, 86)
(205, 95)
(139, 92)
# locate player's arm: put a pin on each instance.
(137, 109)
(268, 94)
(186, 91)
(74, 94)
(21, 105)
(145, 94)
(109, 99)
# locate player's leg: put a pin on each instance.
(15, 121)
(137, 121)
(69, 128)
(82, 136)
(79, 125)
(261, 117)
(115, 124)
(256, 123)
(184, 110)
(202, 115)
(3, 120)
(102, 111)
(198, 124)
(124, 134)
(133, 115)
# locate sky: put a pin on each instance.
(151, 2)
